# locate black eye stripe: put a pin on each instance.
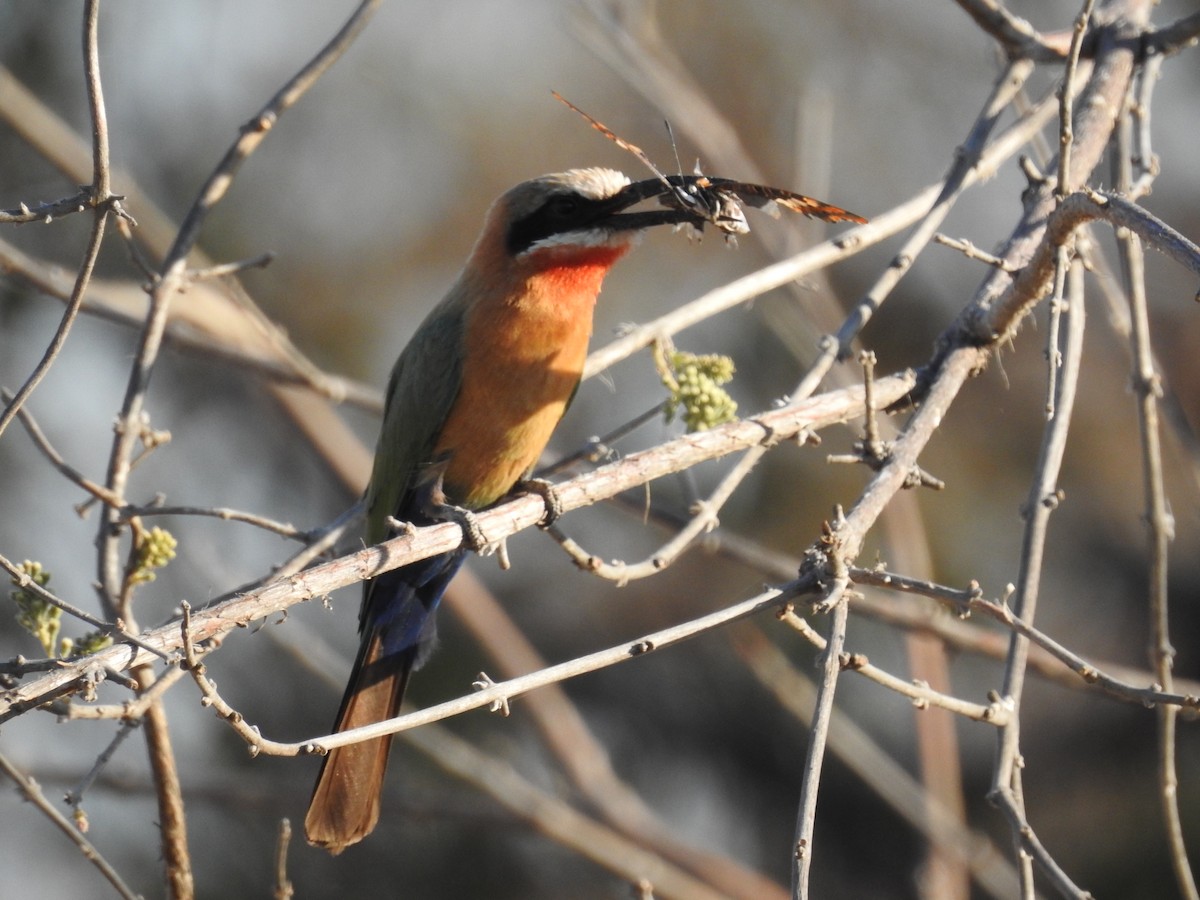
(560, 214)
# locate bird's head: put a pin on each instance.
(564, 230)
(578, 213)
(580, 208)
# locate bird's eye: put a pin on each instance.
(563, 207)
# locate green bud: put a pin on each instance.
(156, 548)
(39, 617)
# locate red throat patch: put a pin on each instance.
(575, 270)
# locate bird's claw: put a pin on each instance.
(550, 496)
(473, 537)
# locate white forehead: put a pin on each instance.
(594, 183)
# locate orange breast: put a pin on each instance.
(524, 354)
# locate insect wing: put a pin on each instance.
(684, 200)
(760, 196)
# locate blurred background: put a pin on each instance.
(370, 194)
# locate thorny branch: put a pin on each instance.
(116, 592)
(523, 512)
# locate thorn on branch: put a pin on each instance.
(1035, 178)
(970, 251)
(871, 450)
(231, 268)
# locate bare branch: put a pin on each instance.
(50, 210)
(1158, 516)
(502, 521)
(283, 889)
(498, 694)
(1181, 34)
(1019, 39)
(101, 200)
(922, 695)
(173, 274)
(32, 792)
(802, 849)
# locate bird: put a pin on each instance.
(470, 406)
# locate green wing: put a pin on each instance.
(423, 387)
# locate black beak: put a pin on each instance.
(687, 199)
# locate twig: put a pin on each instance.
(871, 450)
(32, 792)
(584, 759)
(1028, 840)
(1043, 500)
(283, 889)
(922, 695)
(131, 710)
(1066, 134)
(208, 688)
(1019, 39)
(1056, 306)
(50, 210)
(859, 752)
(1179, 35)
(98, 491)
(500, 692)
(1066, 137)
(1158, 517)
(173, 275)
(223, 270)
(802, 849)
(102, 201)
(74, 796)
(282, 529)
(168, 793)
(1141, 155)
(971, 600)
(970, 251)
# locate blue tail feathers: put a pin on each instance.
(402, 605)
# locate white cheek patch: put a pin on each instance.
(585, 239)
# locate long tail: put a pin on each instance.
(345, 802)
(398, 624)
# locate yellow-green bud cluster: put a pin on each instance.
(92, 642)
(697, 390)
(156, 548)
(39, 617)
(43, 619)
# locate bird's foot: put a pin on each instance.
(433, 503)
(550, 496)
(473, 537)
